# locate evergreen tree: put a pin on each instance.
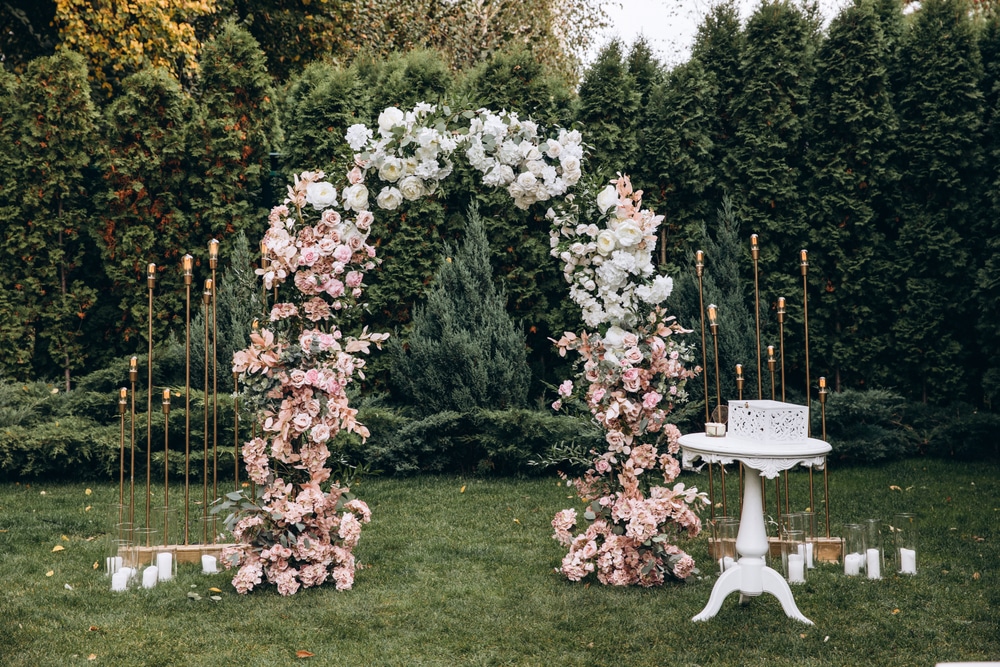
(464, 351)
(644, 68)
(675, 148)
(940, 109)
(766, 160)
(141, 213)
(723, 284)
(850, 184)
(719, 48)
(608, 112)
(57, 137)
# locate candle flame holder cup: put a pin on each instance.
(854, 549)
(793, 556)
(904, 531)
(873, 548)
(726, 529)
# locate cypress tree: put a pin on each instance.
(940, 110)
(676, 147)
(142, 216)
(57, 138)
(608, 111)
(463, 351)
(766, 160)
(850, 181)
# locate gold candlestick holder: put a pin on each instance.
(714, 326)
(781, 342)
(187, 264)
(804, 257)
(236, 429)
(826, 468)
(122, 404)
(151, 285)
(166, 466)
(213, 263)
(207, 300)
(699, 268)
(133, 376)
(755, 255)
(771, 362)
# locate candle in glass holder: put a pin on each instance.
(150, 576)
(908, 561)
(208, 564)
(873, 563)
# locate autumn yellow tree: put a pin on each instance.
(122, 37)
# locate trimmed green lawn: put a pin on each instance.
(455, 578)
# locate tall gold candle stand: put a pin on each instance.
(714, 326)
(826, 474)
(781, 342)
(236, 427)
(187, 264)
(739, 394)
(122, 402)
(151, 284)
(213, 263)
(263, 265)
(804, 255)
(771, 362)
(133, 376)
(755, 254)
(207, 299)
(699, 269)
(166, 466)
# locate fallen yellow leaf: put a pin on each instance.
(303, 654)
(893, 487)
(65, 539)
(802, 635)
(92, 656)
(895, 611)
(93, 628)
(215, 590)
(975, 575)
(517, 522)
(88, 492)
(96, 565)
(50, 573)
(462, 490)
(58, 547)
(87, 508)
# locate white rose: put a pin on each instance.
(356, 197)
(553, 148)
(357, 136)
(508, 153)
(526, 180)
(529, 150)
(629, 233)
(606, 242)
(389, 119)
(389, 199)
(321, 195)
(391, 169)
(411, 188)
(607, 198)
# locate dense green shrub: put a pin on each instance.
(865, 426)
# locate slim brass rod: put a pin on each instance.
(700, 269)
(805, 321)
(826, 462)
(151, 283)
(711, 491)
(215, 397)
(770, 367)
(236, 428)
(166, 466)
(122, 403)
(188, 260)
(207, 298)
(781, 342)
(133, 374)
(755, 254)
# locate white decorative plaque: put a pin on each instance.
(769, 421)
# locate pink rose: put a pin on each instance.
(343, 254)
(651, 399)
(353, 279)
(566, 388)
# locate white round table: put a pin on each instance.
(750, 575)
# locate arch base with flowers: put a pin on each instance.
(301, 529)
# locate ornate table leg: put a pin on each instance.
(750, 576)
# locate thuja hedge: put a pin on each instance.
(873, 143)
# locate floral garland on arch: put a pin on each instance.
(301, 529)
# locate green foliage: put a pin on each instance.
(940, 241)
(866, 427)
(46, 248)
(608, 112)
(497, 442)
(851, 185)
(463, 350)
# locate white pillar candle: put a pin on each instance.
(165, 566)
(874, 563)
(149, 576)
(129, 572)
(119, 580)
(112, 564)
(852, 564)
(725, 563)
(908, 561)
(208, 565)
(809, 555)
(796, 569)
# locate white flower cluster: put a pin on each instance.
(610, 267)
(412, 151)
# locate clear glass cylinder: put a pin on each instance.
(873, 548)
(726, 530)
(904, 531)
(793, 556)
(854, 549)
(807, 521)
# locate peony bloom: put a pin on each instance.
(321, 195)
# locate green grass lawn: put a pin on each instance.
(454, 578)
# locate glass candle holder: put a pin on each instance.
(873, 548)
(793, 556)
(726, 530)
(904, 531)
(854, 549)
(807, 523)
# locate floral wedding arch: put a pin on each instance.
(297, 533)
